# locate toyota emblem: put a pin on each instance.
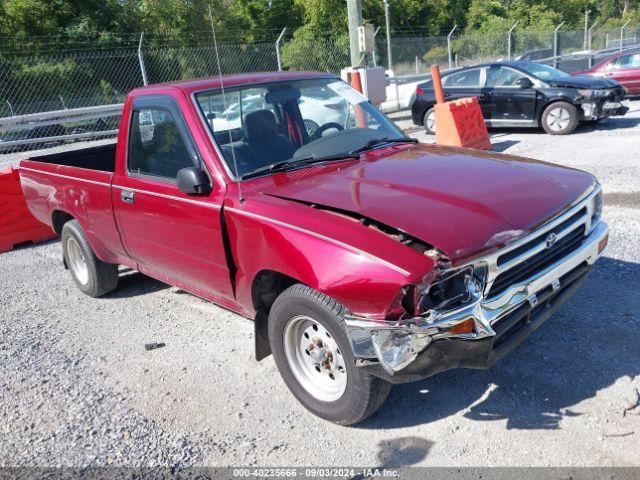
(552, 238)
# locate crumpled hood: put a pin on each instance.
(584, 81)
(464, 202)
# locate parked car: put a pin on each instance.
(400, 93)
(623, 67)
(316, 109)
(535, 55)
(525, 94)
(363, 258)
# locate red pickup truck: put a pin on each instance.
(364, 258)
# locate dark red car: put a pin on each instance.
(363, 258)
(623, 67)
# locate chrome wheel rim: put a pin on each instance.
(430, 121)
(315, 358)
(558, 119)
(77, 262)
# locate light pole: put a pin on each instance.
(387, 26)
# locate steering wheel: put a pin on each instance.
(327, 126)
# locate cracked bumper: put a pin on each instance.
(596, 110)
(500, 324)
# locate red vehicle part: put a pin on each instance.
(623, 67)
(17, 225)
(369, 250)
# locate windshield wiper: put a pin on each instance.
(379, 141)
(298, 162)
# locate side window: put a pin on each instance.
(156, 146)
(628, 61)
(468, 78)
(502, 77)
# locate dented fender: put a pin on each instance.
(310, 246)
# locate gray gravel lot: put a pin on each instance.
(78, 388)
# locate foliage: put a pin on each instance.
(178, 38)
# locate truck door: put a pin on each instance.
(171, 235)
(510, 104)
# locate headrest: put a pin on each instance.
(260, 124)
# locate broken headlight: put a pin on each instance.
(454, 289)
(590, 94)
(442, 292)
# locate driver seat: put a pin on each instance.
(266, 145)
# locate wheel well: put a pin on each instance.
(58, 219)
(265, 288)
(564, 100)
(424, 113)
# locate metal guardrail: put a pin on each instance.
(22, 122)
(58, 138)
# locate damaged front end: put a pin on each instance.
(442, 305)
(473, 315)
(602, 103)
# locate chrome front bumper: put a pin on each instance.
(416, 335)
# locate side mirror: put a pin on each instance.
(524, 82)
(193, 181)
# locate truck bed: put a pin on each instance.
(79, 184)
(101, 158)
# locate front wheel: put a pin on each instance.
(560, 118)
(314, 357)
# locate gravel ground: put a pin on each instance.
(78, 388)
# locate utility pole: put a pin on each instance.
(387, 24)
(354, 12)
(586, 28)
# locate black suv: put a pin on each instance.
(525, 94)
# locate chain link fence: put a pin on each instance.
(30, 85)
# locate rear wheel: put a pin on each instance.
(314, 357)
(560, 118)
(429, 121)
(92, 276)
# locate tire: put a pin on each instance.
(429, 126)
(92, 276)
(560, 118)
(339, 391)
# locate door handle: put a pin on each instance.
(126, 196)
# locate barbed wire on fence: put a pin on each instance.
(75, 79)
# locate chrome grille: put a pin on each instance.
(532, 255)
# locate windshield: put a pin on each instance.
(264, 125)
(543, 72)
